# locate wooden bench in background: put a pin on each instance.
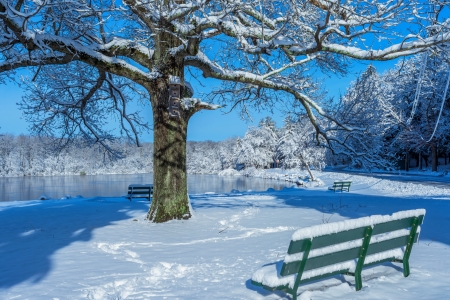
(343, 248)
(341, 185)
(140, 191)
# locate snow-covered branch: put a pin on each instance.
(261, 46)
(213, 70)
(44, 46)
(196, 104)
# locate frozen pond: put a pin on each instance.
(29, 188)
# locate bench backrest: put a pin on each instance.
(343, 183)
(338, 242)
(140, 190)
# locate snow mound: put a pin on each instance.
(229, 172)
(306, 181)
(253, 172)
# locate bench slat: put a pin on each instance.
(297, 246)
(390, 244)
(332, 258)
(395, 225)
(320, 261)
(140, 188)
(328, 240)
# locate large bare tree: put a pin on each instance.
(91, 58)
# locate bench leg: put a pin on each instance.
(406, 271)
(362, 257)
(358, 281)
(131, 194)
(301, 268)
(412, 235)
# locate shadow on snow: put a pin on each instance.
(345, 204)
(27, 242)
(27, 247)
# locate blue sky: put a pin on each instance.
(205, 125)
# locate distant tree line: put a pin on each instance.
(33, 156)
(264, 146)
(405, 115)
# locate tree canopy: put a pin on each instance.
(91, 58)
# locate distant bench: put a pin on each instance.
(140, 191)
(343, 248)
(341, 185)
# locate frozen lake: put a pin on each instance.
(31, 188)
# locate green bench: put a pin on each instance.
(341, 185)
(140, 191)
(344, 247)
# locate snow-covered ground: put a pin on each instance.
(442, 170)
(102, 248)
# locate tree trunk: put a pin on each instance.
(420, 161)
(434, 158)
(308, 169)
(170, 195)
(407, 161)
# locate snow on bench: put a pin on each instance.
(343, 247)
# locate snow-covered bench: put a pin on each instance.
(343, 248)
(341, 185)
(140, 190)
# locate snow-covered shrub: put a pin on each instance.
(229, 172)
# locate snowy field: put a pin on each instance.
(102, 248)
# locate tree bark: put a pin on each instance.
(170, 195)
(420, 161)
(308, 169)
(407, 161)
(434, 158)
